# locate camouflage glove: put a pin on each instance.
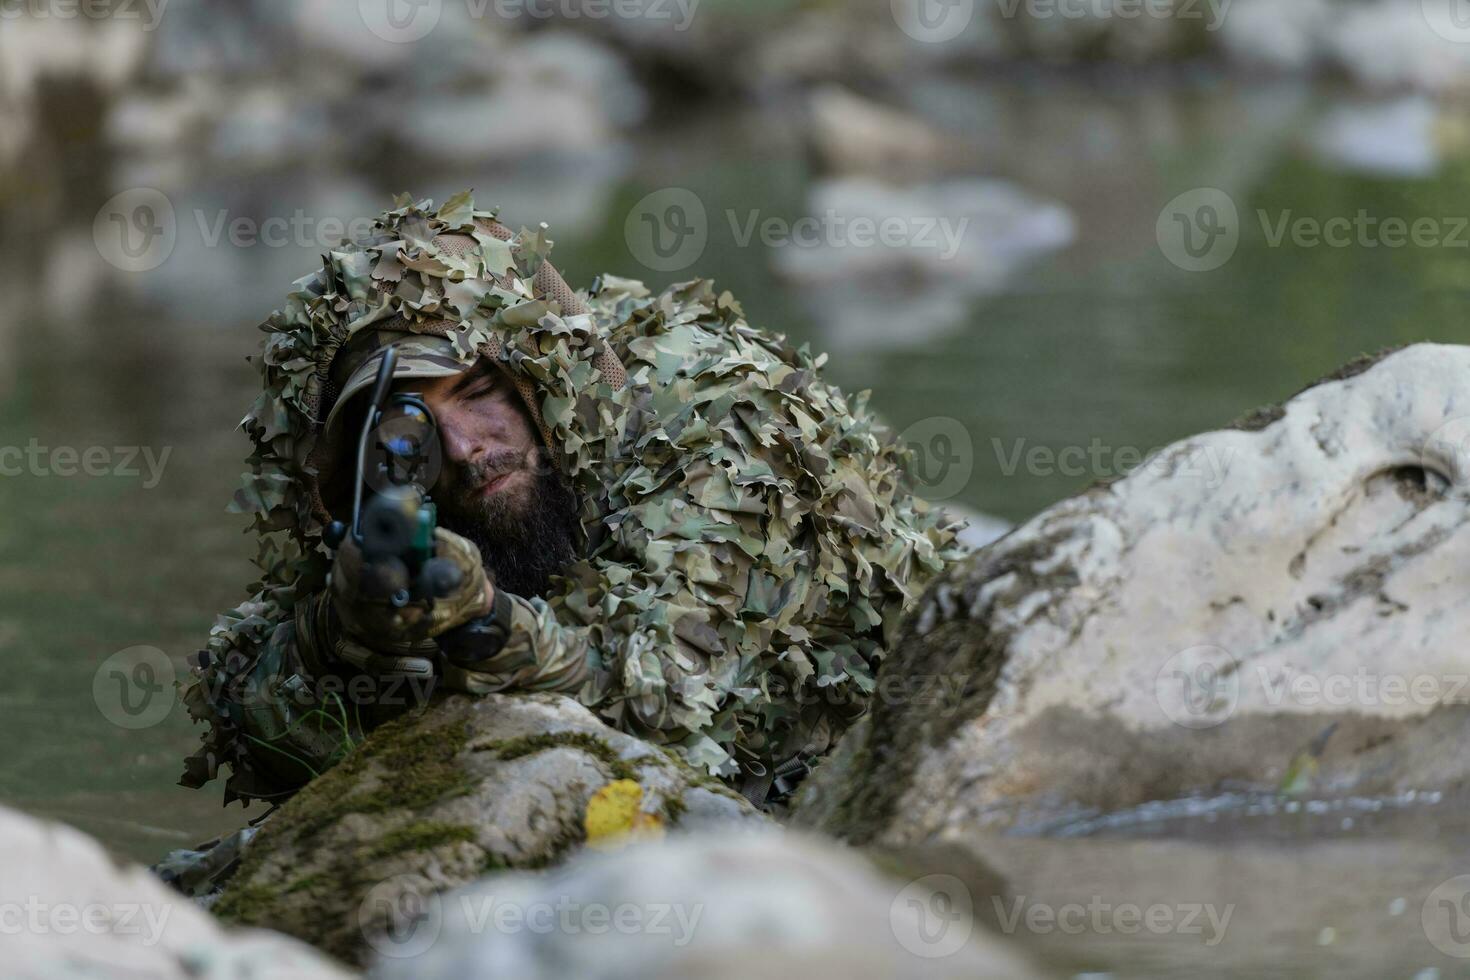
(383, 628)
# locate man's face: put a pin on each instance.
(491, 450)
(497, 487)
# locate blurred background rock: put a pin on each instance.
(1054, 133)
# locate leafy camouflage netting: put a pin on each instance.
(750, 538)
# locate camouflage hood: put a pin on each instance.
(445, 285)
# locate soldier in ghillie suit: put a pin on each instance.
(666, 513)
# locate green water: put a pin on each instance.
(1104, 343)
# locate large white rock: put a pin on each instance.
(1277, 607)
(718, 907)
(67, 910)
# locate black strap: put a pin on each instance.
(756, 786)
(761, 777)
(479, 639)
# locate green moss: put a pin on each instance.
(417, 767)
(307, 883)
(515, 748)
(416, 762)
(674, 810)
(569, 840)
(715, 784)
(421, 836)
(881, 769)
(247, 904)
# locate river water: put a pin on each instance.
(1103, 347)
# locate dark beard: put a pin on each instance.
(522, 543)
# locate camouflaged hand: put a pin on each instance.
(376, 633)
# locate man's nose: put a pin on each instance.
(460, 444)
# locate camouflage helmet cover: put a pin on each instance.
(448, 286)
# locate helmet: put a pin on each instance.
(445, 286)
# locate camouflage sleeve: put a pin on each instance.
(538, 655)
(282, 698)
(639, 676)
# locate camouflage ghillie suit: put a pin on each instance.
(748, 539)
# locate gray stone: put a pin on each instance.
(437, 799)
(1277, 608)
(71, 911)
(718, 907)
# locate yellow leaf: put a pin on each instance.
(613, 816)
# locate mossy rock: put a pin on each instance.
(439, 798)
